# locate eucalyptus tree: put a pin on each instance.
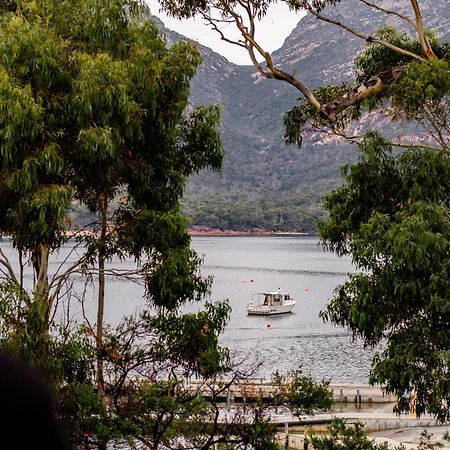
(92, 102)
(391, 215)
(133, 138)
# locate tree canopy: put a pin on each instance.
(90, 110)
(391, 214)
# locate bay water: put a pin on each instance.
(241, 266)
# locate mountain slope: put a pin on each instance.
(263, 182)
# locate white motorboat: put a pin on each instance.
(270, 303)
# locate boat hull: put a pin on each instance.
(266, 310)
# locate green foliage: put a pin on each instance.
(149, 361)
(201, 142)
(378, 58)
(95, 103)
(391, 214)
(341, 436)
(419, 93)
(299, 115)
(174, 278)
(266, 211)
(191, 340)
(85, 418)
(62, 356)
(158, 412)
(146, 230)
(301, 394)
(423, 85)
(260, 436)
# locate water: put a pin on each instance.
(241, 266)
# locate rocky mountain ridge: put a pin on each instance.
(265, 184)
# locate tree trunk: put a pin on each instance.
(101, 294)
(40, 255)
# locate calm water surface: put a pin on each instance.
(241, 266)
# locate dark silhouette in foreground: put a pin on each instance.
(29, 417)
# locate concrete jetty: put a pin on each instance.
(260, 388)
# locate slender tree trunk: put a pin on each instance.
(101, 294)
(40, 256)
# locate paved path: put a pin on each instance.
(410, 437)
(380, 423)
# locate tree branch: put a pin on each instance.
(249, 37)
(248, 33)
(328, 111)
(420, 146)
(282, 75)
(58, 281)
(371, 87)
(7, 265)
(420, 32)
(214, 25)
(356, 138)
(366, 37)
(391, 12)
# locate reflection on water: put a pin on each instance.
(241, 266)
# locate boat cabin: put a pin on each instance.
(269, 303)
(275, 298)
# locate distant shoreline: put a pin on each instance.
(204, 231)
(207, 231)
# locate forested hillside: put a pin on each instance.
(264, 183)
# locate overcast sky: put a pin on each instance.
(271, 32)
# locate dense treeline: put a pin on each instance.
(283, 191)
(275, 213)
(271, 212)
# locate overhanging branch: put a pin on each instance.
(366, 37)
(390, 12)
(371, 87)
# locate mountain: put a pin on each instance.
(265, 184)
